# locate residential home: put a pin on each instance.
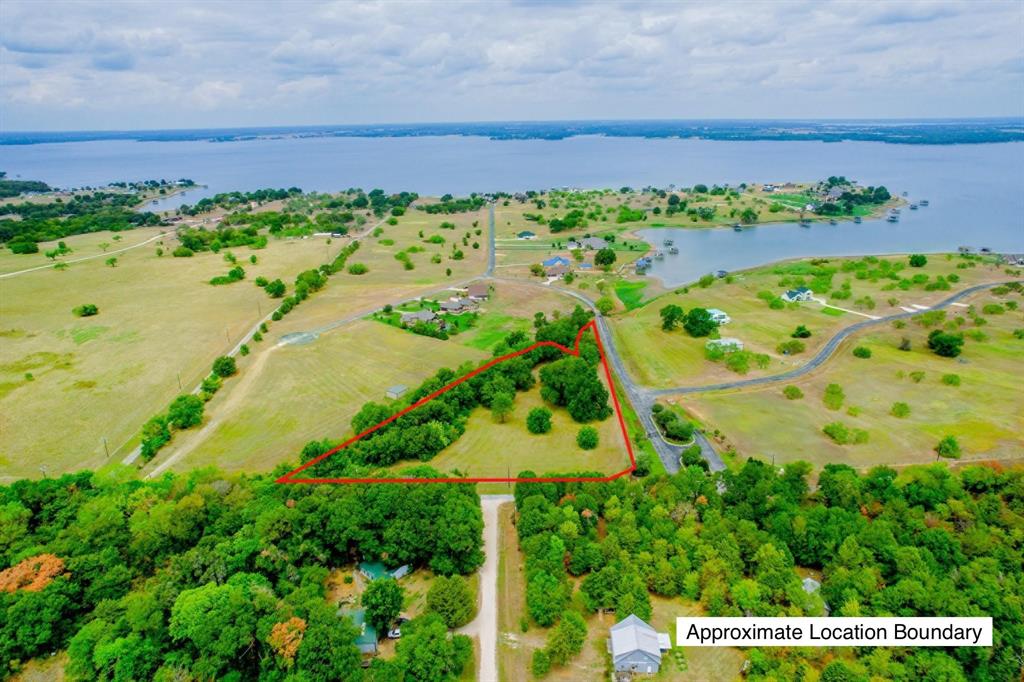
(366, 640)
(727, 343)
(526, 234)
(410, 318)
(811, 586)
(574, 245)
(456, 305)
(594, 243)
(636, 647)
(834, 193)
(479, 291)
(719, 316)
(799, 294)
(373, 570)
(556, 260)
(397, 391)
(556, 270)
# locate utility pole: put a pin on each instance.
(179, 381)
(105, 448)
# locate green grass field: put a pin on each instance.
(985, 412)
(67, 383)
(664, 359)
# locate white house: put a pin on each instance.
(636, 647)
(800, 294)
(719, 316)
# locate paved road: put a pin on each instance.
(827, 350)
(485, 626)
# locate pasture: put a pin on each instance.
(985, 412)
(67, 384)
(664, 359)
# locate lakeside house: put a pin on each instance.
(556, 270)
(397, 391)
(719, 316)
(424, 316)
(366, 641)
(642, 264)
(526, 234)
(479, 291)
(727, 344)
(636, 647)
(556, 260)
(374, 570)
(799, 294)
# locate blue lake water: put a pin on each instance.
(976, 191)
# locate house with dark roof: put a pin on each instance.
(556, 270)
(457, 305)
(425, 316)
(556, 260)
(478, 291)
(799, 294)
(594, 243)
(526, 234)
(636, 647)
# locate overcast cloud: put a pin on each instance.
(122, 65)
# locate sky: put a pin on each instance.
(180, 64)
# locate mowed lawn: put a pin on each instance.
(67, 383)
(985, 412)
(489, 449)
(387, 280)
(664, 359)
(298, 393)
(510, 308)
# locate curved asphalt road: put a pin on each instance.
(827, 350)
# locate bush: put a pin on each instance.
(451, 599)
(945, 345)
(951, 379)
(792, 393)
(182, 252)
(85, 310)
(801, 332)
(834, 396)
(900, 410)
(224, 366)
(917, 377)
(541, 663)
(791, 347)
(538, 420)
(917, 260)
(862, 352)
(838, 432)
(243, 350)
(358, 269)
(185, 412)
(587, 438)
(948, 447)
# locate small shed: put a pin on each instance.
(397, 391)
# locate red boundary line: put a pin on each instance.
(290, 476)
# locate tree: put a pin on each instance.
(862, 352)
(538, 420)
(452, 600)
(587, 438)
(545, 597)
(540, 665)
(275, 289)
(428, 654)
(801, 332)
(185, 412)
(792, 393)
(605, 305)
(225, 366)
(945, 344)
(699, 323)
(111, 262)
(900, 410)
(748, 216)
(918, 260)
(572, 382)
(85, 310)
(383, 602)
(605, 258)
(566, 639)
(671, 316)
(948, 447)
(501, 406)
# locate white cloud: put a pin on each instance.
(98, 64)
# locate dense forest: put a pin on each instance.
(925, 541)
(215, 576)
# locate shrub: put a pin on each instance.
(182, 252)
(834, 396)
(993, 309)
(944, 344)
(224, 366)
(85, 310)
(451, 598)
(838, 432)
(917, 377)
(541, 664)
(900, 410)
(243, 350)
(791, 347)
(538, 420)
(587, 438)
(185, 412)
(951, 379)
(358, 269)
(948, 447)
(918, 260)
(862, 352)
(792, 392)
(801, 332)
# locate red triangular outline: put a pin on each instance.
(592, 326)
